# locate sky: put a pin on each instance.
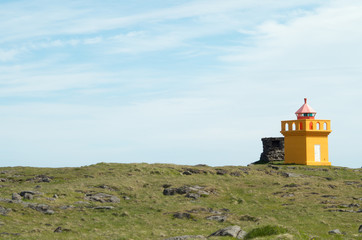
(177, 81)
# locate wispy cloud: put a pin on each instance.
(325, 38)
(181, 81)
(7, 55)
(76, 18)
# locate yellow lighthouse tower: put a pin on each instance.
(306, 139)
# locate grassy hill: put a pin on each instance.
(159, 201)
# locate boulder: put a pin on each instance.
(192, 195)
(195, 171)
(15, 196)
(360, 229)
(169, 191)
(190, 191)
(221, 172)
(126, 198)
(41, 208)
(40, 178)
(22, 193)
(335, 231)
(232, 231)
(12, 234)
(217, 218)
(288, 195)
(102, 197)
(65, 207)
(81, 202)
(249, 218)
(104, 207)
(104, 186)
(329, 196)
(4, 211)
(287, 174)
(5, 200)
(182, 215)
(28, 196)
(236, 174)
(186, 237)
(60, 229)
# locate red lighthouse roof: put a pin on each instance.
(305, 111)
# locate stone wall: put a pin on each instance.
(273, 150)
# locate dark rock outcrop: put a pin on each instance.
(273, 150)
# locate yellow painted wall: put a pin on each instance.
(300, 137)
(294, 149)
(323, 142)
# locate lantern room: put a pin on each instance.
(305, 111)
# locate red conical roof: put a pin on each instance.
(305, 108)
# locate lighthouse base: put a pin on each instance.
(311, 163)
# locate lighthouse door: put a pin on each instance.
(317, 153)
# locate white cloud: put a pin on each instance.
(78, 100)
(94, 40)
(328, 38)
(75, 18)
(7, 55)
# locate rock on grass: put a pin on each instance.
(335, 231)
(232, 231)
(187, 237)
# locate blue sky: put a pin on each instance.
(176, 81)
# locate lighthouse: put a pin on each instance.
(306, 138)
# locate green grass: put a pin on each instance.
(257, 191)
(265, 231)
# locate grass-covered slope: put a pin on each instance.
(303, 201)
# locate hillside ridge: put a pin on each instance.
(164, 201)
